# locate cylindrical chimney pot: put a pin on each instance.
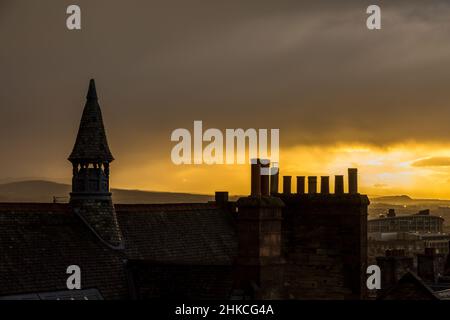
(274, 180)
(300, 185)
(265, 174)
(287, 184)
(312, 185)
(339, 184)
(352, 180)
(325, 185)
(256, 178)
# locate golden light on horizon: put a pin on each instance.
(418, 170)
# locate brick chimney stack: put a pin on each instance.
(221, 198)
(430, 265)
(447, 263)
(259, 243)
(325, 241)
(393, 266)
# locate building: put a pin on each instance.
(421, 222)
(269, 245)
(410, 233)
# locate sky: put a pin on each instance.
(341, 95)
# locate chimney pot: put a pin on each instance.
(300, 184)
(274, 180)
(287, 184)
(255, 178)
(325, 185)
(352, 180)
(312, 185)
(391, 213)
(339, 184)
(265, 188)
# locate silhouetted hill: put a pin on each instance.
(393, 199)
(44, 191)
(407, 200)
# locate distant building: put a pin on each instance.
(269, 245)
(411, 233)
(421, 222)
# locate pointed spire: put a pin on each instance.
(92, 92)
(91, 145)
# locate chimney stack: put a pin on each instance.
(339, 184)
(221, 197)
(265, 188)
(430, 265)
(391, 213)
(393, 266)
(300, 185)
(287, 184)
(325, 185)
(312, 185)
(447, 263)
(256, 178)
(353, 181)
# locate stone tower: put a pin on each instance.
(90, 197)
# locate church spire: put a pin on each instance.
(91, 145)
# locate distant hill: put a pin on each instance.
(407, 200)
(392, 199)
(44, 191)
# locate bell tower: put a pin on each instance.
(90, 197)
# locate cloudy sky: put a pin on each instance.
(341, 95)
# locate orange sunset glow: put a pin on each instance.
(417, 170)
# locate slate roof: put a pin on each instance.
(39, 241)
(91, 144)
(409, 287)
(189, 233)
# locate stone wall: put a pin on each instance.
(324, 243)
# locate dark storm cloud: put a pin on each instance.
(310, 68)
